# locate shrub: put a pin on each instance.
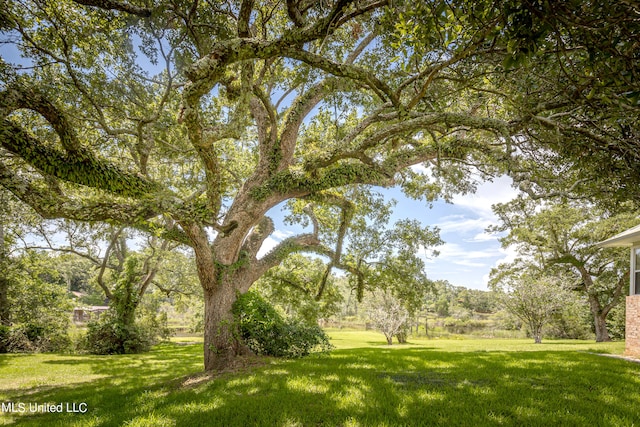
(462, 326)
(266, 332)
(152, 320)
(127, 328)
(29, 337)
(56, 341)
(38, 308)
(18, 341)
(616, 322)
(4, 335)
(108, 335)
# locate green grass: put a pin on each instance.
(361, 383)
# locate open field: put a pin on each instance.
(361, 383)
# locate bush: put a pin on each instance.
(152, 320)
(109, 336)
(18, 341)
(38, 308)
(127, 329)
(265, 331)
(4, 335)
(29, 337)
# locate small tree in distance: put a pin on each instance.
(389, 316)
(530, 295)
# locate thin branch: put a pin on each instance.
(381, 89)
(243, 18)
(114, 240)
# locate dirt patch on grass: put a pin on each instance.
(240, 364)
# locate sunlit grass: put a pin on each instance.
(33, 371)
(187, 339)
(346, 338)
(362, 383)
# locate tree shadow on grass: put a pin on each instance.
(372, 386)
(4, 358)
(119, 379)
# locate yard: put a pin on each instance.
(361, 383)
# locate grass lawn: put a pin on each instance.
(361, 383)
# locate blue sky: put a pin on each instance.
(469, 252)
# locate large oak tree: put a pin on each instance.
(211, 113)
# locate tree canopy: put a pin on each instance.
(531, 294)
(566, 235)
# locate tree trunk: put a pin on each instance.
(221, 343)
(125, 309)
(602, 331)
(4, 308)
(426, 325)
(599, 320)
(389, 339)
(537, 334)
(4, 281)
(598, 313)
(128, 315)
(536, 331)
(125, 299)
(229, 267)
(4, 303)
(220, 289)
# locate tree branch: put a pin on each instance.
(296, 114)
(381, 89)
(294, 13)
(120, 6)
(105, 260)
(83, 169)
(205, 73)
(412, 124)
(257, 237)
(52, 205)
(302, 242)
(18, 97)
(243, 18)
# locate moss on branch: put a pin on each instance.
(78, 168)
(302, 242)
(287, 182)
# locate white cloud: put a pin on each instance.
(420, 168)
(473, 212)
(268, 244)
(462, 224)
(483, 237)
(487, 194)
(509, 255)
(280, 235)
(468, 263)
(272, 241)
(453, 252)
